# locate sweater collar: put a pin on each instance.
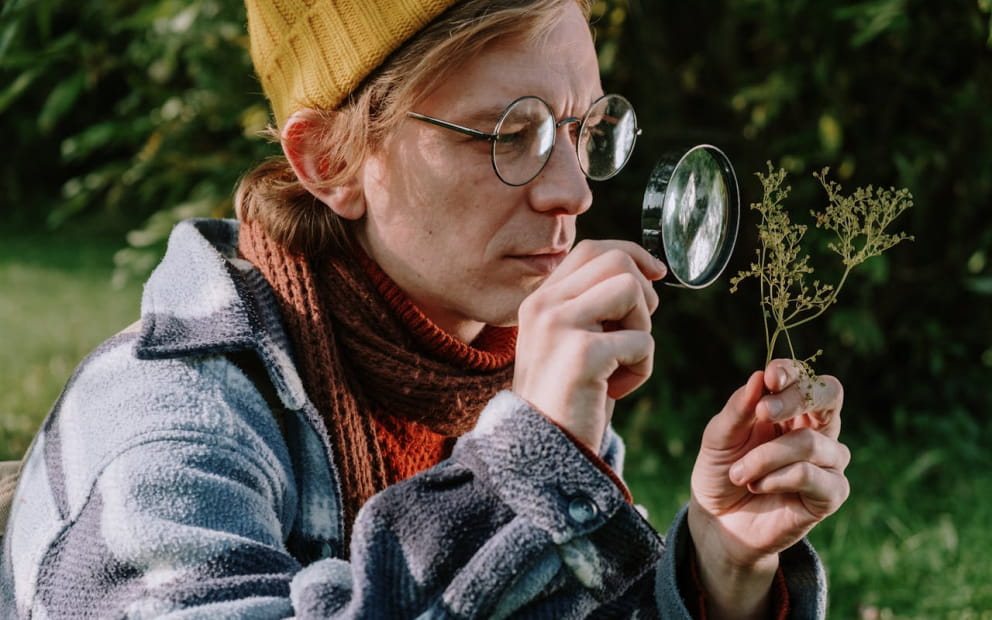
(493, 349)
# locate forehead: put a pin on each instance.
(559, 66)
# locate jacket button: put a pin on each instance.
(582, 510)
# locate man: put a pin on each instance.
(280, 436)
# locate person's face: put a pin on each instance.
(464, 246)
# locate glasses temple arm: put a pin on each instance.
(452, 126)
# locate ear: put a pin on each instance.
(301, 145)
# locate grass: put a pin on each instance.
(912, 542)
(56, 304)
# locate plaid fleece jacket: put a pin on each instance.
(161, 486)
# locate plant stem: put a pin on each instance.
(829, 302)
(764, 313)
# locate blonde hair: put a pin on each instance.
(272, 195)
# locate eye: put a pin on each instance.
(514, 137)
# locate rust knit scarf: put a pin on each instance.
(362, 347)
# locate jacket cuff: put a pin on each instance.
(695, 597)
(805, 585)
(597, 461)
(543, 477)
(537, 470)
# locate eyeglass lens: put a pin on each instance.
(607, 137)
(525, 137)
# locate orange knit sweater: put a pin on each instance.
(408, 447)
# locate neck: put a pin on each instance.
(453, 323)
(444, 333)
(462, 330)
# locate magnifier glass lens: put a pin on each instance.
(694, 221)
(690, 214)
(607, 136)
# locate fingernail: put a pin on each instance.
(662, 267)
(737, 472)
(774, 407)
(782, 379)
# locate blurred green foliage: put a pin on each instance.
(126, 116)
(141, 113)
(892, 93)
(56, 304)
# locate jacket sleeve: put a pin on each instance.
(520, 525)
(157, 488)
(518, 522)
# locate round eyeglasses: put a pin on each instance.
(525, 134)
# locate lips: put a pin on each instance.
(542, 262)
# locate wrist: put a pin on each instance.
(734, 586)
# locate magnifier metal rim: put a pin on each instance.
(732, 217)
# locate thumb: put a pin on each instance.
(732, 426)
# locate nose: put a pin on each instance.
(561, 186)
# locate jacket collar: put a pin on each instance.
(204, 300)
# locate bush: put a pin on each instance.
(143, 113)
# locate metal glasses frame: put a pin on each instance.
(493, 137)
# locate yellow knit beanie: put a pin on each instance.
(313, 53)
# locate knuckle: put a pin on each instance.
(844, 490)
(582, 247)
(642, 346)
(540, 311)
(806, 440)
(805, 474)
(628, 282)
(531, 306)
(620, 260)
(587, 248)
(649, 344)
(845, 458)
(653, 299)
(582, 346)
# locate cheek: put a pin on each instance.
(437, 202)
(466, 214)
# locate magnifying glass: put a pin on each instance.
(690, 215)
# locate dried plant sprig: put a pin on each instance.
(782, 267)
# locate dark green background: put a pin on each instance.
(120, 117)
(140, 113)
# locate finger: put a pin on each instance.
(634, 353)
(825, 393)
(588, 250)
(733, 425)
(598, 269)
(627, 350)
(803, 445)
(819, 401)
(618, 300)
(822, 490)
(780, 374)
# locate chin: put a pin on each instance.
(501, 310)
(498, 303)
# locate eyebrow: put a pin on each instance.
(485, 118)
